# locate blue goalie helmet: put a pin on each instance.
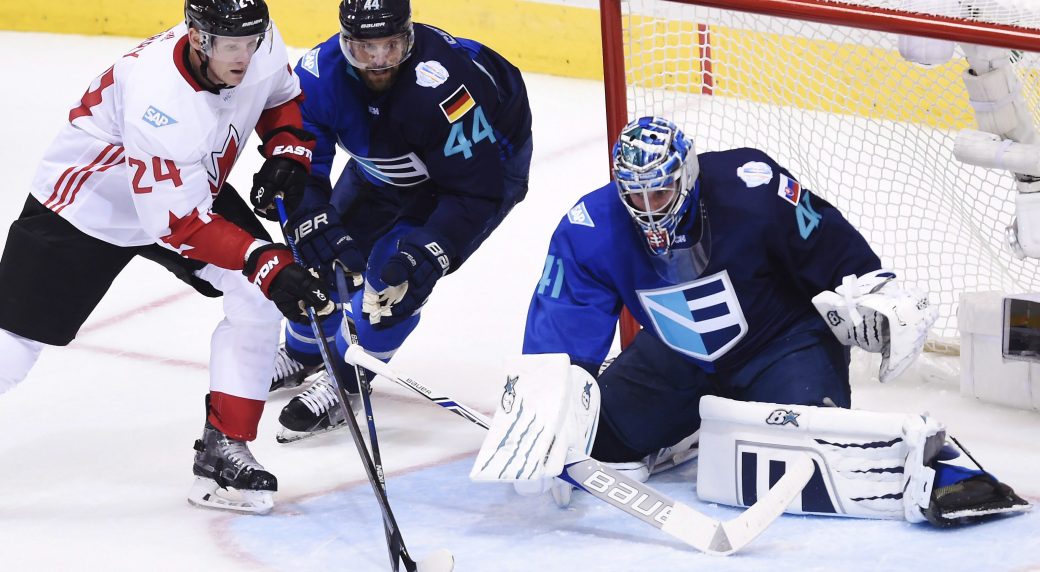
(656, 168)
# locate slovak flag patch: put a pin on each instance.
(790, 190)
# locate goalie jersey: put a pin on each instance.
(431, 145)
(770, 245)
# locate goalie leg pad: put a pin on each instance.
(864, 460)
(548, 410)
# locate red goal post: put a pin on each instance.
(822, 87)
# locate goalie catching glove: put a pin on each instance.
(872, 313)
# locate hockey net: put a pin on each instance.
(830, 97)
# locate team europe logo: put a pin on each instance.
(701, 319)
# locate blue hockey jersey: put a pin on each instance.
(439, 133)
(773, 245)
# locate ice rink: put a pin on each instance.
(96, 445)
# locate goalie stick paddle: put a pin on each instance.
(638, 499)
(440, 560)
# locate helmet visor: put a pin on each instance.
(233, 49)
(377, 53)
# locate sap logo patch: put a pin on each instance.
(755, 173)
(430, 74)
(153, 116)
(458, 104)
(580, 215)
(309, 61)
(790, 190)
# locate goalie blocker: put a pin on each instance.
(867, 464)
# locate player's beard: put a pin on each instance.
(380, 80)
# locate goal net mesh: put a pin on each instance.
(854, 121)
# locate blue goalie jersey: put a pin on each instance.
(769, 244)
(432, 145)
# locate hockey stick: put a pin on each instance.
(441, 560)
(356, 355)
(363, 388)
(639, 499)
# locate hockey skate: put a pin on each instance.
(289, 373)
(315, 411)
(227, 476)
(973, 499)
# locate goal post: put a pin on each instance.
(824, 88)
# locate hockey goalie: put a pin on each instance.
(750, 290)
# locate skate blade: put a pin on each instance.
(205, 493)
(438, 561)
(285, 435)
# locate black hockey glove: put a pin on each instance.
(322, 241)
(288, 151)
(410, 276)
(291, 287)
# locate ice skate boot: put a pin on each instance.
(978, 497)
(289, 373)
(227, 476)
(315, 411)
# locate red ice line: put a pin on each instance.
(133, 312)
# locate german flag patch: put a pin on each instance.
(458, 104)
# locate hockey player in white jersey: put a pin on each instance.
(140, 169)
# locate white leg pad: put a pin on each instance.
(548, 412)
(19, 356)
(864, 460)
(245, 342)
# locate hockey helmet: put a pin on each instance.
(655, 169)
(376, 34)
(247, 20)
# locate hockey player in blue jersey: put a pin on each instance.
(438, 130)
(748, 287)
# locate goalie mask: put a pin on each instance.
(655, 168)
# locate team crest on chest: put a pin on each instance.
(701, 319)
(221, 161)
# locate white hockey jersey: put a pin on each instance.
(147, 148)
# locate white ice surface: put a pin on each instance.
(95, 446)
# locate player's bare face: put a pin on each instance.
(227, 58)
(230, 57)
(379, 80)
(377, 59)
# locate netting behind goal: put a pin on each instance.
(847, 115)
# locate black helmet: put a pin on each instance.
(365, 19)
(364, 24)
(232, 18)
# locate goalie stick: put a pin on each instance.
(638, 499)
(440, 560)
